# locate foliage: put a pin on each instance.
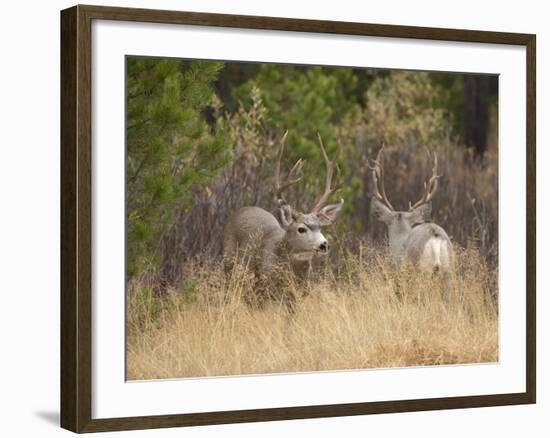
(171, 151)
(401, 110)
(306, 101)
(309, 101)
(189, 145)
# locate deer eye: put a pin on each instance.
(302, 230)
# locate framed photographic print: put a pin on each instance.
(268, 219)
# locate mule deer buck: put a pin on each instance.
(293, 239)
(414, 240)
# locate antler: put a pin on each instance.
(377, 168)
(430, 186)
(291, 178)
(329, 189)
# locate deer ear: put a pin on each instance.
(422, 213)
(380, 211)
(329, 213)
(286, 216)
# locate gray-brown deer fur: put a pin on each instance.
(292, 239)
(414, 240)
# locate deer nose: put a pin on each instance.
(323, 247)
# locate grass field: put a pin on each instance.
(350, 319)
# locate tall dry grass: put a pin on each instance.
(349, 319)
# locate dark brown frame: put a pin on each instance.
(76, 238)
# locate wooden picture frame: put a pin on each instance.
(76, 218)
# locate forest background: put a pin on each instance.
(202, 137)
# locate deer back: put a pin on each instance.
(252, 229)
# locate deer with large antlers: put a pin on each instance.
(413, 238)
(294, 237)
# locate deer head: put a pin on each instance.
(303, 230)
(399, 223)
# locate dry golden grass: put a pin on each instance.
(351, 319)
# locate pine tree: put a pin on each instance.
(305, 101)
(171, 151)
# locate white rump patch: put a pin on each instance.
(435, 255)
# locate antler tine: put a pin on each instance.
(377, 169)
(291, 178)
(330, 165)
(430, 186)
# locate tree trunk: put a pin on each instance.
(476, 113)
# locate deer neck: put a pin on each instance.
(397, 241)
(300, 263)
(301, 268)
(283, 249)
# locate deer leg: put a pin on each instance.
(302, 272)
(228, 265)
(397, 287)
(447, 289)
(445, 292)
(444, 284)
(396, 276)
(229, 252)
(290, 303)
(258, 296)
(282, 291)
(229, 256)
